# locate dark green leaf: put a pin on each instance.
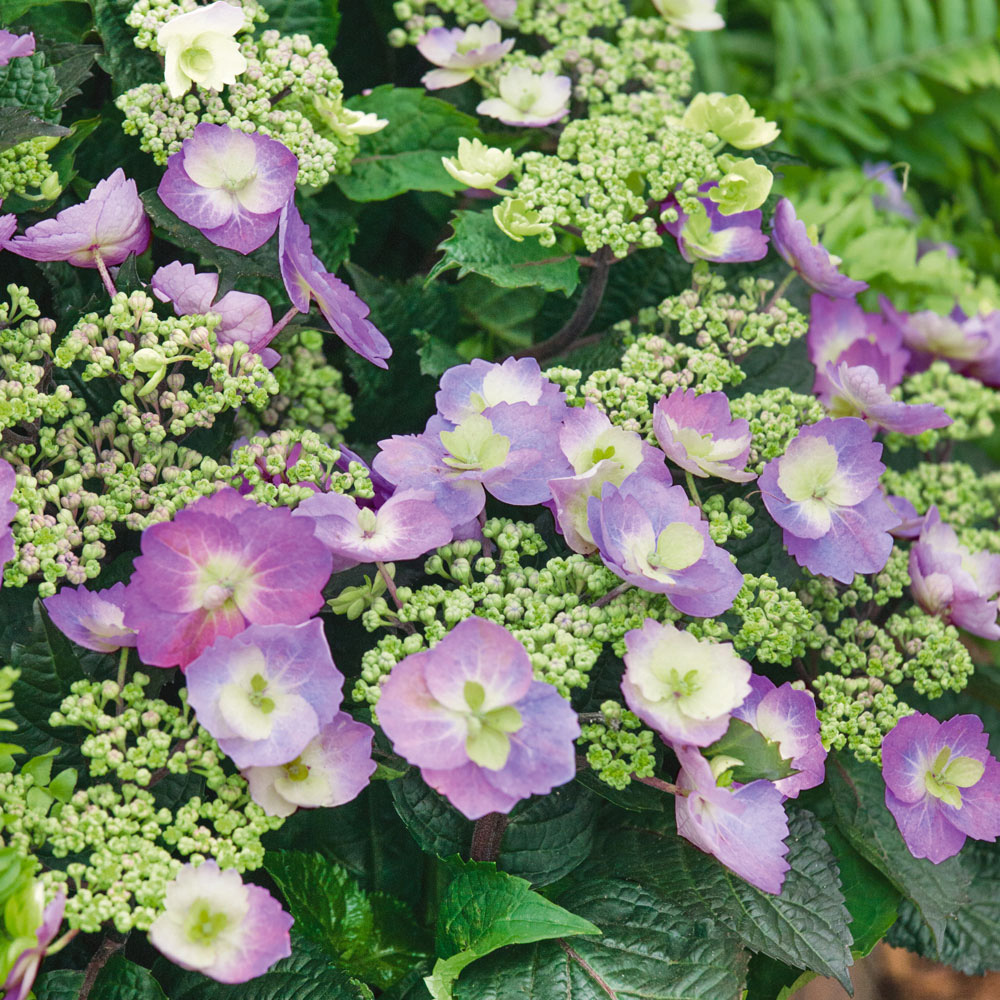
(319, 19)
(649, 949)
(373, 937)
(406, 154)
(29, 82)
(436, 355)
(71, 65)
(121, 978)
(127, 65)
(18, 124)
(479, 246)
(858, 793)
(59, 984)
(11, 10)
(434, 824)
(761, 757)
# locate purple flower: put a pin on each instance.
(8, 223)
(787, 717)
(108, 226)
(910, 522)
(503, 9)
(824, 493)
(710, 235)
(941, 784)
(8, 509)
(949, 580)
(599, 453)
(92, 618)
(698, 433)
(404, 527)
(744, 826)
(333, 768)
(245, 317)
(216, 924)
(221, 564)
(23, 972)
(265, 693)
(529, 99)
(230, 184)
(460, 53)
(652, 537)
(305, 278)
(894, 198)
(686, 689)
(13, 46)
(472, 388)
(807, 256)
(860, 391)
(471, 716)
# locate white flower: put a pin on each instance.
(516, 220)
(478, 165)
(362, 123)
(694, 15)
(199, 47)
(528, 98)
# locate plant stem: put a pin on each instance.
(663, 786)
(780, 290)
(102, 270)
(583, 315)
(487, 837)
(390, 585)
(611, 595)
(487, 544)
(692, 487)
(104, 951)
(282, 323)
(122, 666)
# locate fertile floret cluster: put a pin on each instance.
(619, 746)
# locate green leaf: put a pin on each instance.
(761, 757)
(29, 82)
(406, 154)
(649, 949)
(858, 794)
(373, 937)
(121, 978)
(319, 19)
(127, 65)
(71, 65)
(479, 247)
(59, 984)
(763, 550)
(483, 910)
(19, 124)
(12, 10)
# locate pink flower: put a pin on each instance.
(460, 52)
(710, 235)
(14, 46)
(215, 924)
(222, 564)
(109, 225)
(24, 971)
(229, 184)
(471, 716)
(92, 618)
(472, 388)
(8, 483)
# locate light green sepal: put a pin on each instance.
(487, 747)
(473, 445)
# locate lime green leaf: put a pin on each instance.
(761, 757)
(121, 978)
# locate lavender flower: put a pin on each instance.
(460, 53)
(199, 48)
(941, 784)
(682, 687)
(24, 971)
(652, 537)
(744, 826)
(94, 619)
(404, 527)
(910, 522)
(231, 185)
(807, 256)
(8, 510)
(894, 198)
(100, 232)
(472, 388)
(221, 564)
(787, 717)
(503, 9)
(266, 693)
(824, 493)
(949, 580)
(8, 224)
(333, 768)
(305, 278)
(529, 99)
(707, 234)
(14, 46)
(471, 716)
(215, 924)
(698, 433)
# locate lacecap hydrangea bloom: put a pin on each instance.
(824, 493)
(216, 924)
(529, 99)
(471, 716)
(472, 388)
(683, 687)
(941, 784)
(199, 48)
(458, 53)
(92, 618)
(221, 564)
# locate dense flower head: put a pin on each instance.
(824, 493)
(951, 581)
(333, 768)
(529, 99)
(652, 537)
(199, 48)
(406, 526)
(471, 716)
(92, 618)
(266, 692)
(706, 233)
(216, 924)
(14, 46)
(306, 279)
(683, 687)
(744, 826)
(24, 970)
(698, 433)
(693, 15)
(8, 482)
(787, 717)
(231, 185)
(941, 783)
(221, 564)
(459, 53)
(807, 256)
(110, 224)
